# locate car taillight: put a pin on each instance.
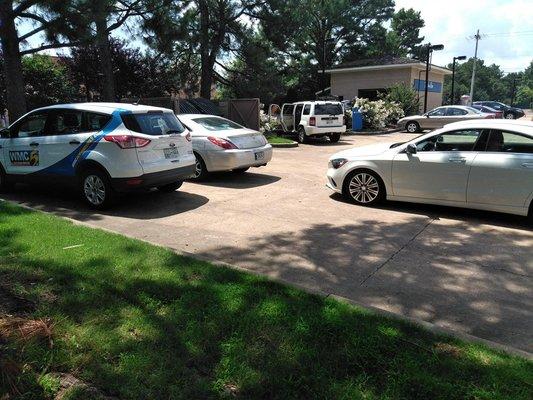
(188, 137)
(225, 144)
(127, 141)
(490, 116)
(312, 121)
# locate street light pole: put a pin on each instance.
(430, 49)
(452, 100)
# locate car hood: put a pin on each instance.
(365, 151)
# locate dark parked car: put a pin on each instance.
(508, 111)
(488, 110)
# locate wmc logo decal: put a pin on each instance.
(24, 158)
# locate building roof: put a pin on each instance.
(387, 62)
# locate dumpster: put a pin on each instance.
(357, 119)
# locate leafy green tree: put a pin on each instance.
(404, 37)
(405, 96)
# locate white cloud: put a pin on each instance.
(508, 24)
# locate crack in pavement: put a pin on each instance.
(398, 251)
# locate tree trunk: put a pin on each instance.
(104, 55)
(16, 102)
(206, 75)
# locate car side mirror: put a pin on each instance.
(410, 149)
(5, 134)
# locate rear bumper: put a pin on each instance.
(226, 160)
(324, 130)
(153, 179)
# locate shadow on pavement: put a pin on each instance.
(231, 180)
(453, 213)
(142, 205)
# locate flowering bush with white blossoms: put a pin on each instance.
(268, 123)
(380, 113)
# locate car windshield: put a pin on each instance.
(217, 123)
(153, 123)
(328, 109)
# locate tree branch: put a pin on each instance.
(49, 46)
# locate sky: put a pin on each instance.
(506, 27)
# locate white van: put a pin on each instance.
(99, 149)
(312, 118)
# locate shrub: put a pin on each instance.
(378, 114)
(405, 96)
(268, 123)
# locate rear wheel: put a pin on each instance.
(412, 127)
(96, 189)
(170, 188)
(302, 136)
(363, 187)
(240, 170)
(200, 171)
(334, 137)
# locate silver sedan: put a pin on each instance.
(223, 145)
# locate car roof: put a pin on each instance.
(192, 116)
(105, 108)
(515, 125)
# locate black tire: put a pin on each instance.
(96, 190)
(5, 185)
(412, 127)
(240, 170)
(334, 137)
(509, 115)
(301, 135)
(201, 170)
(170, 188)
(363, 187)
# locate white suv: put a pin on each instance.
(99, 148)
(312, 118)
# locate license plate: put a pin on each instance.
(259, 155)
(329, 122)
(171, 152)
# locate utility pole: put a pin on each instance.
(477, 37)
(513, 90)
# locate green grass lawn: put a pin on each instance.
(140, 322)
(279, 140)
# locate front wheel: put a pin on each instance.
(412, 127)
(170, 188)
(364, 188)
(96, 189)
(509, 116)
(334, 137)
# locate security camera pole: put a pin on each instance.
(452, 100)
(430, 49)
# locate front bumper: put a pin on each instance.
(153, 179)
(226, 160)
(335, 179)
(324, 130)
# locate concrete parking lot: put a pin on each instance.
(469, 271)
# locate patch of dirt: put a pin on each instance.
(448, 349)
(11, 303)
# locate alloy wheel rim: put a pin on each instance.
(198, 169)
(411, 127)
(94, 190)
(364, 188)
(302, 135)
(509, 116)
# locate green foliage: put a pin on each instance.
(50, 385)
(140, 322)
(47, 81)
(380, 113)
(405, 96)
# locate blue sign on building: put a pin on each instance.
(420, 85)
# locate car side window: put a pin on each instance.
(96, 122)
(288, 109)
(463, 140)
(452, 111)
(32, 126)
(438, 112)
(509, 142)
(66, 122)
(307, 109)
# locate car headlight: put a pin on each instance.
(338, 162)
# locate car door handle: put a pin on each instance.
(74, 142)
(34, 144)
(527, 165)
(457, 159)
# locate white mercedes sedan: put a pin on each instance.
(223, 145)
(483, 164)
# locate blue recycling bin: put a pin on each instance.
(357, 119)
